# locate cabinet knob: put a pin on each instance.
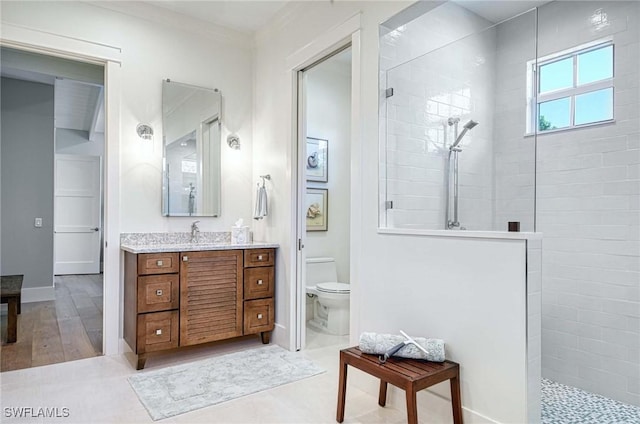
(158, 292)
(159, 263)
(259, 316)
(259, 282)
(158, 332)
(259, 257)
(185, 258)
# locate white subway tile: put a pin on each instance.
(631, 309)
(601, 348)
(580, 357)
(602, 378)
(626, 157)
(620, 367)
(627, 339)
(580, 302)
(560, 365)
(603, 319)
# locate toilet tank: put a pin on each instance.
(321, 270)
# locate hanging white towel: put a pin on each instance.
(261, 203)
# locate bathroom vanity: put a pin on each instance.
(178, 295)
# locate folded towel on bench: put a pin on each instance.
(378, 344)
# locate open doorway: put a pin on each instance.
(324, 146)
(52, 199)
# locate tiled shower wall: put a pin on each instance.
(455, 80)
(514, 153)
(587, 208)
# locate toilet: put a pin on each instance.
(329, 298)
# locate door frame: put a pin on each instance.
(51, 44)
(339, 38)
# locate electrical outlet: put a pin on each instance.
(37, 223)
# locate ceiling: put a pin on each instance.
(498, 11)
(251, 15)
(78, 87)
(77, 105)
(241, 15)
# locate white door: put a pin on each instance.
(76, 215)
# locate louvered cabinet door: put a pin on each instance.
(211, 286)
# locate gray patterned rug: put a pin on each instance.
(183, 388)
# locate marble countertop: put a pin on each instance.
(180, 242)
(190, 247)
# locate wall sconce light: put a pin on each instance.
(233, 141)
(144, 131)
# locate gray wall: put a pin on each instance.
(26, 140)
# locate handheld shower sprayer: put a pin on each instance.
(469, 125)
(452, 221)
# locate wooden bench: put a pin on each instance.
(10, 292)
(411, 375)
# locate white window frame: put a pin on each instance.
(534, 99)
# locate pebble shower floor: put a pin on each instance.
(569, 405)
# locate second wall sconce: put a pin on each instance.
(144, 131)
(233, 141)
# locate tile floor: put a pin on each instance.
(568, 405)
(96, 390)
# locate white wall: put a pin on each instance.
(456, 289)
(328, 111)
(158, 46)
(588, 190)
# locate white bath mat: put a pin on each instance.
(187, 387)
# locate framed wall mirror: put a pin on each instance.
(192, 122)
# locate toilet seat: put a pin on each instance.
(334, 288)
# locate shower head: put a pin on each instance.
(469, 125)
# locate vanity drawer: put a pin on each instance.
(157, 331)
(259, 257)
(158, 263)
(158, 293)
(259, 315)
(258, 282)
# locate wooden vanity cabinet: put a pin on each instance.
(259, 282)
(210, 296)
(181, 299)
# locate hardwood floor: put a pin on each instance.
(66, 329)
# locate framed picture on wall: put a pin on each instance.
(317, 207)
(317, 162)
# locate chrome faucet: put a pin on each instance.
(195, 232)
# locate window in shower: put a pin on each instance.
(574, 88)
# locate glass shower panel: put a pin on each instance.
(446, 167)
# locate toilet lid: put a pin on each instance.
(333, 287)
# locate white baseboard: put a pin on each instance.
(124, 347)
(37, 294)
(433, 402)
(280, 336)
